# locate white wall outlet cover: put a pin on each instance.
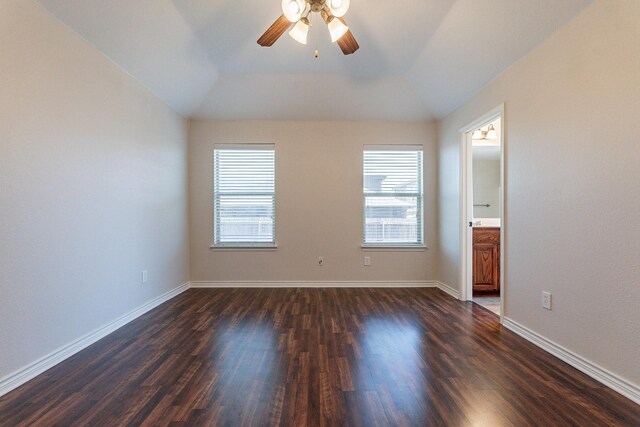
(546, 300)
(145, 276)
(367, 261)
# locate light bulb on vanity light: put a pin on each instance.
(491, 133)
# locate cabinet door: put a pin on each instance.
(486, 267)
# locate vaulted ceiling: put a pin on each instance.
(418, 59)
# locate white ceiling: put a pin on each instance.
(418, 61)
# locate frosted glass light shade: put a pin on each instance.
(293, 9)
(337, 29)
(300, 32)
(491, 133)
(477, 134)
(339, 8)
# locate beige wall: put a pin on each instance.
(319, 203)
(573, 186)
(92, 189)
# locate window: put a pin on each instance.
(393, 196)
(244, 195)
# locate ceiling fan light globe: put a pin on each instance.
(300, 32)
(337, 29)
(339, 8)
(293, 9)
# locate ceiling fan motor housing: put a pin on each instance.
(317, 5)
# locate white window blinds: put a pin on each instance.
(244, 195)
(393, 196)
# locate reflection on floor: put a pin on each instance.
(490, 302)
(298, 357)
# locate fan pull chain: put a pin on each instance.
(315, 18)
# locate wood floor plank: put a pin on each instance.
(315, 357)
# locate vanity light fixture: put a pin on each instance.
(485, 135)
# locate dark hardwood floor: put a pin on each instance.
(361, 357)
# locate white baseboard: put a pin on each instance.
(16, 379)
(611, 380)
(330, 284)
(317, 284)
(448, 289)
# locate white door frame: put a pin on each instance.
(466, 204)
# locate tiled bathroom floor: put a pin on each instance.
(491, 303)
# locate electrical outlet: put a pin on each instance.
(546, 300)
(320, 261)
(367, 261)
(145, 276)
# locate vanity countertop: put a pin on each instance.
(486, 222)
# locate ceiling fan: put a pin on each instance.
(297, 12)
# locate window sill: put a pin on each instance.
(394, 248)
(225, 248)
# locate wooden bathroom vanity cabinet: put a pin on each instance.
(486, 259)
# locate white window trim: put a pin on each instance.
(244, 246)
(231, 247)
(393, 248)
(396, 246)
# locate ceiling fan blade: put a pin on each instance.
(347, 43)
(275, 31)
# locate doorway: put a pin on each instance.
(482, 207)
